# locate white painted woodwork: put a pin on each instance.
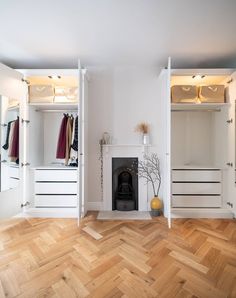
(164, 82)
(46, 201)
(11, 86)
(123, 151)
(196, 188)
(56, 175)
(55, 188)
(83, 141)
(196, 201)
(14, 171)
(203, 142)
(13, 182)
(196, 175)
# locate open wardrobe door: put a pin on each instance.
(13, 91)
(231, 156)
(165, 77)
(83, 144)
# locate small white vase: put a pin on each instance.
(145, 139)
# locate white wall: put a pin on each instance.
(119, 99)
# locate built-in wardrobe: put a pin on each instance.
(199, 143)
(53, 140)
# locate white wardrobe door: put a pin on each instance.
(164, 81)
(232, 146)
(11, 86)
(83, 143)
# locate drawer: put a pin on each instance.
(55, 175)
(14, 172)
(55, 201)
(56, 188)
(196, 188)
(197, 201)
(196, 175)
(13, 182)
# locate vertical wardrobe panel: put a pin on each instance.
(231, 146)
(83, 143)
(12, 86)
(164, 80)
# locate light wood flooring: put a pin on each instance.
(55, 258)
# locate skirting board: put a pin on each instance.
(95, 206)
(201, 213)
(51, 212)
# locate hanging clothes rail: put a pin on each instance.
(56, 111)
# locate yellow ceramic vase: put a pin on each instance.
(156, 203)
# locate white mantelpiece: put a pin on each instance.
(122, 150)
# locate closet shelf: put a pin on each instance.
(55, 106)
(195, 167)
(200, 106)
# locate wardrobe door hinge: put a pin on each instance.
(230, 121)
(25, 204)
(25, 81)
(230, 81)
(3, 124)
(3, 161)
(230, 164)
(25, 164)
(25, 121)
(230, 204)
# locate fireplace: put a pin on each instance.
(124, 183)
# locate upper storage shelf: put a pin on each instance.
(55, 106)
(196, 106)
(200, 90)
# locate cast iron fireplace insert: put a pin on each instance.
(124, 183)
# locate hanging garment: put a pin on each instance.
(75, 142)
(68, 139)
(11, 138)
(61, 144)
(6, 145)
(14, 153)
(73, 153)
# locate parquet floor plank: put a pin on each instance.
(56, 258)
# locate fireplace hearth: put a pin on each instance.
(124, 183)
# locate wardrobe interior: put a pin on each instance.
(45, 118)
(201, 140)
(51, 100)
(199, 134)
(10, 139)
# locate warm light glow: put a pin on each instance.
(54, 77)
(198, 77)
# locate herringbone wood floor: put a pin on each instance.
(54, 258)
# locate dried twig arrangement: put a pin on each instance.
(149, 169)
(143, 128)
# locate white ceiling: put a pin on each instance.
(54, 33)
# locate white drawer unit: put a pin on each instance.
(13, 182)
(196, 175)
(196, 201)
(48, 201)
(55, 188)
(14, 172)
(196, 188)
(56, 175)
